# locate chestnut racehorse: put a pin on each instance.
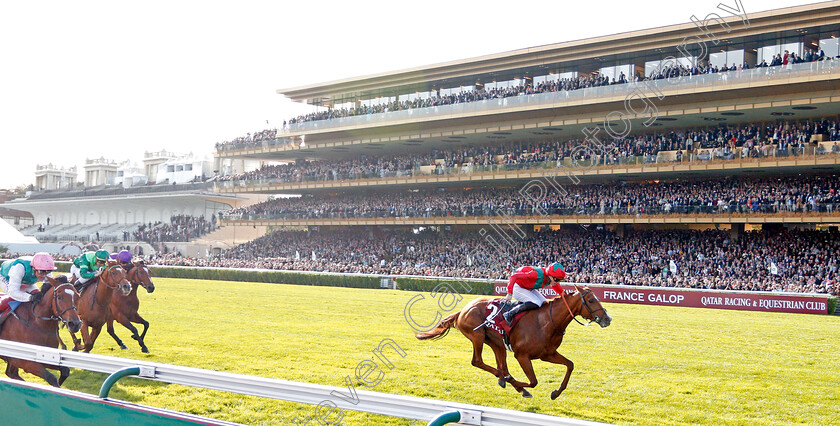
(38, 325)
(94, 303)
(537, 335)
(124, 308)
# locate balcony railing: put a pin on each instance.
(779, 208)
(738, 156)
(716, 81)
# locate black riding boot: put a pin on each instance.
(527, 306)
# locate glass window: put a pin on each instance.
(614, 73)
(456, 90)
(555, 77)
(345, 105)
(413, 96)
(735, 57)
(830, 46)
(504, 84)
(795, 47)
(720, 59)
(768, 52)
(654, 66)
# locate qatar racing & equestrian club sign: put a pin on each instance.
(735, 300)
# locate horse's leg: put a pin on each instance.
(78, 344)
(560, 359)
(65, 373)
(12, 371)
(60, 342)
(134, 334)
(40, 370)
(525, 362)
(477, 360)
(501, 364)
(145, 329)
(110, 328)
(91, 339)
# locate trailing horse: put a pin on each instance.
(38, 325)
(124, 308)
(94, 303)
(537, 335)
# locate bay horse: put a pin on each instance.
(124, 308)
(94, 303)
(38, 325)
(537, 335)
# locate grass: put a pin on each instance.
(652, 366)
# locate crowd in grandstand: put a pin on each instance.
(782, 260)
(248, 140)
(780, 138)
(179, 228)
(561, 84)
(806, 194)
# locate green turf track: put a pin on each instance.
(653, 365)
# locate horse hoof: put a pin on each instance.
(555, 393)
(526, 394)
(502, 382)
(123, 347)
(144, 350)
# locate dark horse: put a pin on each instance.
(38, 325)
(94, 303)
(536, 336)
(124, 308)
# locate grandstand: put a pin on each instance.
(714, 130)
(146, 219)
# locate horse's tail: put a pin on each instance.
(441, 330)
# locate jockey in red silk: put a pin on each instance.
(525, 282)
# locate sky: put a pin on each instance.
(88, 79)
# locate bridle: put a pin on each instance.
(53, 308)
(115, 286)
(582, 295)
(93, 298)
(138, 268)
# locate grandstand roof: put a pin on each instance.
(10, 235)
(543, 59)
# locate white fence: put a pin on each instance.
(365, 401)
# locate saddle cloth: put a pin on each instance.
(7, 306)
(495, 320)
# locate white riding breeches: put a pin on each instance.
(74, 272)
(528, 295)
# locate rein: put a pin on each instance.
(53, 317)
(93, 299)
(115, 286)
(574, 317)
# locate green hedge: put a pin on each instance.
(462, 287)
(275, 277)
(832, 305)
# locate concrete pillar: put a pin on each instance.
(736, 231)
(621, 230)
